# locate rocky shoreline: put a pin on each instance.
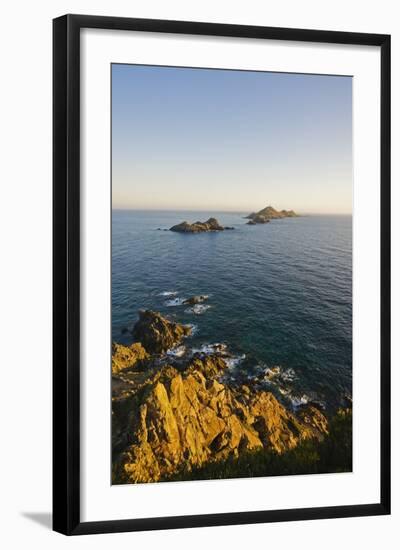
(175, 412)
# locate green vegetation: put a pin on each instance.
(333, 454)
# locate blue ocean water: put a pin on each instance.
(280, 294)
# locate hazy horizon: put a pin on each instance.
(235, 141)
(224, 211)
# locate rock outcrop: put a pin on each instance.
(269, 213)
(211, 224)
(196, 300)
(156, 333)
(174, 418)
(127, 357)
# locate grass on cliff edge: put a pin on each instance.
(333, 454)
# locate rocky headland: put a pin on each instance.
(156, 334)
(212, 224)
(175, 414)
(269, 213)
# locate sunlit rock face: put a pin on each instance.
(171, 418)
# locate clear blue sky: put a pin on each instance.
(204, 139)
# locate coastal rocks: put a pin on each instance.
(197, 307)
(277, 428)
(127, 357)
(180, 419)
(156, 333)
(208, 366)
(196, 300)
(312, 416)
(269, 213)
(211, 224)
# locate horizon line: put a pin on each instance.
(235, 211)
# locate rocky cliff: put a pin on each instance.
(169, 418)
(127, 357)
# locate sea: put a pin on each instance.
(279, 295)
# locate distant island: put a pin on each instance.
(212, 224)
(269, 213)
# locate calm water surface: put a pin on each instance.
(280, 294)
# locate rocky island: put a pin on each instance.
(211, 224)
(172, 416)
(269, 213)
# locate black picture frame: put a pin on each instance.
(66, 273)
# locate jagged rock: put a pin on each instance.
(208, 365)
(211, 224)
(182, 419)
(269, 213)
(196, 300)
(156, 333)
(126, 357)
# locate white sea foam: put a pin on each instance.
(209, 349)
(194, 328)
(297, 401)
(277, 374)
(175, 302)
(168, 293)
(221, 349)
(234, 361)
(179, 351)
(197, 309)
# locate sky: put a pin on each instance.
(212, 139)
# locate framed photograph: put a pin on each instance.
(221, 274)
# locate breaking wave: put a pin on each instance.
(168, 293)
(179, 351)
(209, 349)
(197, 309)
(175, 302)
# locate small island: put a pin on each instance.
(212, 224)
(269, 213)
